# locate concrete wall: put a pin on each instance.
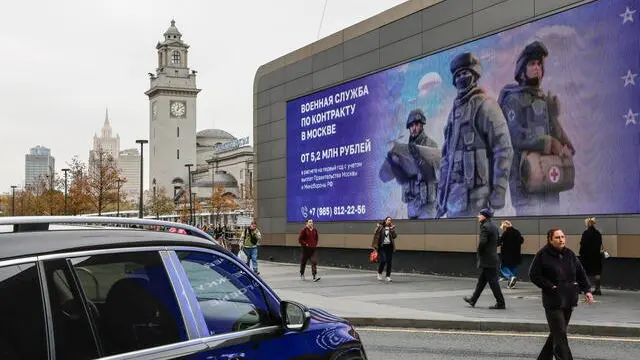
(408, 31)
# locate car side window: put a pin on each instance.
(229, 299)
(135, 304)
(72, 330)
(22, 327)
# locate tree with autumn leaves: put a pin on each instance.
(222, 202)
(90, 189)
(159, 203)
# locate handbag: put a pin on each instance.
(373, 256)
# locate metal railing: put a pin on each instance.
(103, 220)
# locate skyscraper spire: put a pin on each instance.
(106, 117)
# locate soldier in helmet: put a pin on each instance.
(414, 166)
(477, 152)
(543, 154)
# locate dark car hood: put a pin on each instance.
(322, 317)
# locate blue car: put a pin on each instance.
(78, 291)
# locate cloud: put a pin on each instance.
(428, 82)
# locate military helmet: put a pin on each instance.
(466, 61)
(534, 51)
(416, 115)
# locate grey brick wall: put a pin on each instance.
(447, 23)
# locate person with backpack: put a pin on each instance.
(250, 238)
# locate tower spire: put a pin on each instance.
(106, 117)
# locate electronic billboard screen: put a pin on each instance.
(541, 119)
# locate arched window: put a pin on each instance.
(175, 58)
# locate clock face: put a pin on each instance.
(154, 111)
(178, 109)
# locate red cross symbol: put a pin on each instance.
(554, 174)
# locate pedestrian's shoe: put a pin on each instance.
(597, 292)
(379, 277)
(469, 301)
(316, 278)
(512, 282)
(502, 278)
(302, 277)
(257, 272)
(388, 279)
(498, 307)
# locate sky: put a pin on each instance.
(64, 64)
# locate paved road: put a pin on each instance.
(396, 344)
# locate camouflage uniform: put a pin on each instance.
(419, 193)
(533, 122)
(477, 151)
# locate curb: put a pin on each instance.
(578, 329)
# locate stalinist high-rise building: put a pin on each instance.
(172, 114)
(127, 160)
(106, 141)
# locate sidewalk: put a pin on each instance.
(426, 301)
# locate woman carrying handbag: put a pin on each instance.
(384, 244)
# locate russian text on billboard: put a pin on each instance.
(537, 120)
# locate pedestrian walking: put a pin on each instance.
(591, 252)
(384, 243)
(510, 243)
(250, 238)
(487, 261)
(556, 270)
(308, 239)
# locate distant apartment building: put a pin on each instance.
(38, 165)
(129, 163)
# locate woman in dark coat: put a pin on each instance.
(556, 270)
(384, 242)
(510, 243)
(591, 252)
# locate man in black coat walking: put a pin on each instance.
(487, 261)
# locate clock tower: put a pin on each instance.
(172, 115)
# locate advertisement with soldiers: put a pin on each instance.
(538, 120)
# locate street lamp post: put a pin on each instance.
(155, 204)
(140, 206)
(118, 182)
(13, 200)
(65, 189)
(190, 197)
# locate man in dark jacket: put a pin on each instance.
(557, 271)
(308, 239)
(487, 261)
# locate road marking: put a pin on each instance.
(460, 332)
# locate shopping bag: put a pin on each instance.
(373, 256)
(242, 256)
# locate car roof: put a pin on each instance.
(17, 245)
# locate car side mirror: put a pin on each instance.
(295, 316)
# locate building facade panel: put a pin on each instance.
(446, 34)
(327, 76)
(503, 14)
(444, 12)
(545, 6)
(401, 50)
(329, 57)
(401, 29)
(362, 44)
(483, 4)
(361, 64)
